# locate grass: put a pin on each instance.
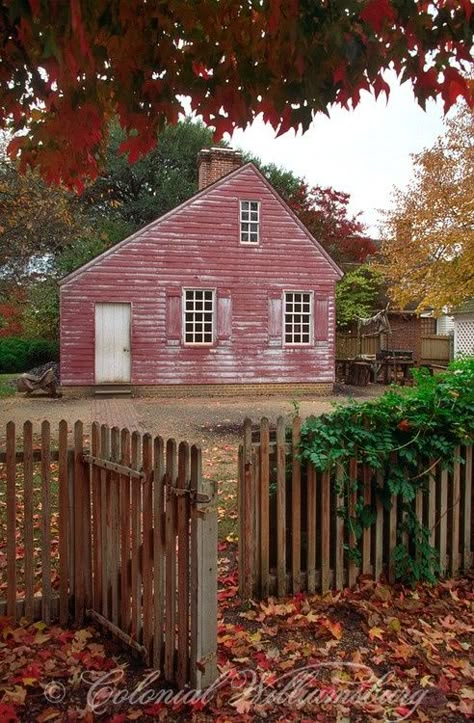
(220, 465)
(6, 390)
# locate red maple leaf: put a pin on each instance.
(381, 86)
(453, 86)
(378, 12)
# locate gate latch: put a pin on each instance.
(195, 498)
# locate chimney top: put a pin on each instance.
(214, 163)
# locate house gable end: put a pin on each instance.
(197, 200)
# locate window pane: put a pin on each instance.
(249, 222)
(198, 316)
(297, 317)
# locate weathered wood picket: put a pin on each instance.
(291, 538)
(127, 536)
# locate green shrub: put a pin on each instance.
(19, 355)
(424, 423)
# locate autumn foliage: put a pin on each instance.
(67, 67)
(429, 234)
(325, 213)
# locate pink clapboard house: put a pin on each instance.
(226, 294)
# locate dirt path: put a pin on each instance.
(199, 420)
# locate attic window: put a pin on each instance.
(249, 222)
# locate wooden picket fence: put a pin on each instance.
(292, 539)
(126, 534)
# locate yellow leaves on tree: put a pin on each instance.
(428, 243)
(36, 221)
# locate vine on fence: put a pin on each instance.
(402, 435)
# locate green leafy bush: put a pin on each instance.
(20, 355)
(401, 435)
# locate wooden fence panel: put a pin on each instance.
(349, 346)
(435, 348)
(307, 551)
(137, 547)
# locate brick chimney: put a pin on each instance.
(213, 163)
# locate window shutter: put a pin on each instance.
(321, 319)
(275, 320)
(224, 315)
(173, 316)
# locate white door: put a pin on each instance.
(112, 343)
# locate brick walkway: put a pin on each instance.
(116, 412)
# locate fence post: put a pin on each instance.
(203, 664)
(467, 557)
(28, 487)
(281, 507)
(63, 525)
(246, 502)
(296, 506)
(11, 521)
(264, 504)
(79, 561)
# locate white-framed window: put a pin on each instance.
(249, 222)
(298, 317)
(199, 316)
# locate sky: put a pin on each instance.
(364, 152)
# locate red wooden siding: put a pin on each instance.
(198, 247)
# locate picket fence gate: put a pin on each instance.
(126, 530)
(291, 538)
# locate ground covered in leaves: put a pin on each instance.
(373, 653)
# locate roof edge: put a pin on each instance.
(327, 256)
(128, 239)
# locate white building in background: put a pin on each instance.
(444, 325)
(464, 329)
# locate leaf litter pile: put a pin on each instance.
(371, 653)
